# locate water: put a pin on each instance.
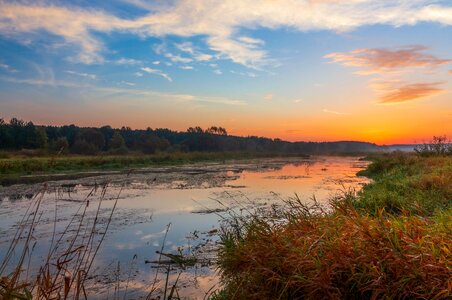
(190, 201)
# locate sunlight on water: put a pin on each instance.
(192, 201)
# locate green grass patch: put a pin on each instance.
(39, 165)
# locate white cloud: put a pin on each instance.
(220, 22)
(157, 72)
(87, 75)
(186, 47)
(186, 67)
(138, 74)
(248, 74)
(189, 48)
(156, 62)
(127, 61)
(202, 56)
(128, 83)
(249, 40)
(218, 72)
(178, 58)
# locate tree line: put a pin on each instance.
(19, 135)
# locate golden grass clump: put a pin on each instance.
(343, 255)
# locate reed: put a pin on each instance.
(66, 268)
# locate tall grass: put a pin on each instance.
(65, 270)
(407, 183)
(390, 241)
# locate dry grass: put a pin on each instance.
(391, 241)
(343, 255)
(64, 272)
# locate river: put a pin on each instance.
(174, 209)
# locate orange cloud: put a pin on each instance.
(407, 92)
(387, 60)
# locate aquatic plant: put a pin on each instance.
(71, 253)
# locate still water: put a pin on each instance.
(177, 210)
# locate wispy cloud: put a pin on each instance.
(186, 67)
(128, 92)
(297, 101)
(128, 83)
(219, 22)
(333, 112)
(398, 92)
(7, 68)
(87, 75)
(186, 47)
(157, 72)
(218, 72)
(177, 58)
(197, 55)
(248, 74)
(44, 82)
(127, 61)
(373, 61)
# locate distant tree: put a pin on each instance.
(117, 144)
(196, 129)
(151, 143)
(60, 145)
(70, 132)
(6, 139)
(89, 141)
(84, 147)
(41, 138)
(216, 130)
(222, 131)
(107, 132)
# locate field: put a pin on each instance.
(391, 240)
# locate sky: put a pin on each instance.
(306, 70)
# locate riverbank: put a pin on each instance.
(391, 240)
(21, 169)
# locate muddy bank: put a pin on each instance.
(199, 175)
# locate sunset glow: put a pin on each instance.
(307, 70)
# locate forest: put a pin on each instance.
(26, 137)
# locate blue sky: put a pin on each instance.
(300, 70)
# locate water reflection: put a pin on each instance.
(191, 198)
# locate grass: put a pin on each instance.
(407, 183)
(20, 165)
(390, 241)
(65, 270)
